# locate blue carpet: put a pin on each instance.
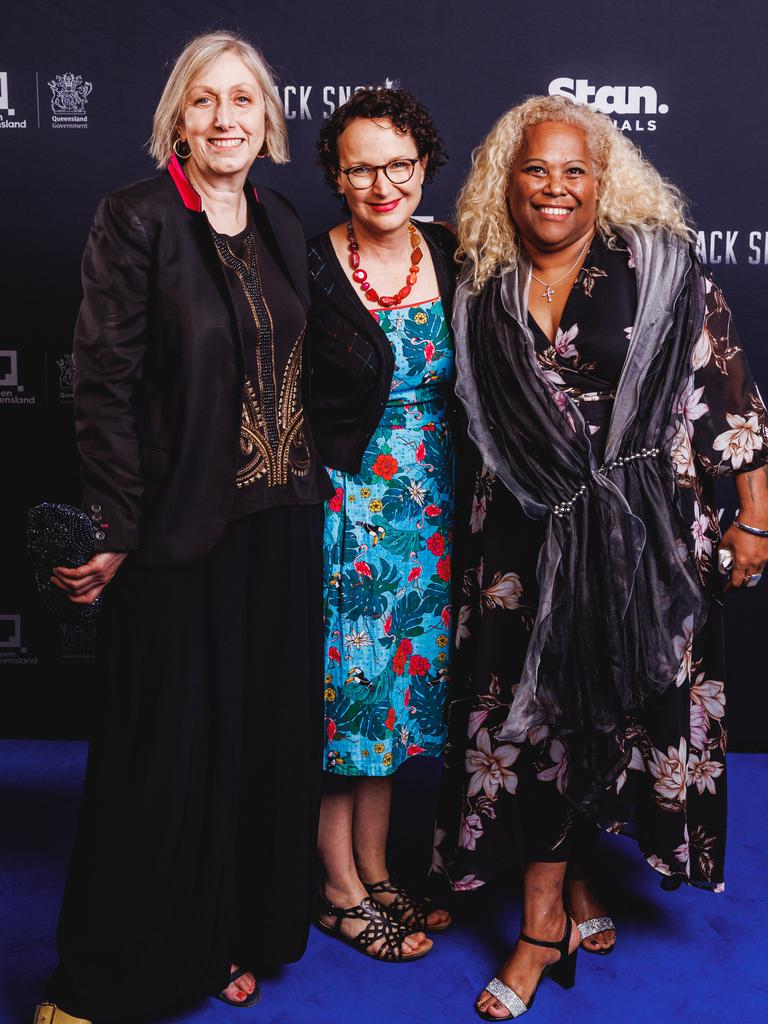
(682, 956)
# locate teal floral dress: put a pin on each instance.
(388, 564)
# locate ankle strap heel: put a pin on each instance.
(562, 971)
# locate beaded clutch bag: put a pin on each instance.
(62, 535)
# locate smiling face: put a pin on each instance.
(384, 206)
(223, 119)
(552, 191)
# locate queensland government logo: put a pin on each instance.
(70, 95)
(7, 112)
(66, 367)
(639, 101)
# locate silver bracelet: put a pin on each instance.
(750, 529)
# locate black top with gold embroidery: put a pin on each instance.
(277, 462)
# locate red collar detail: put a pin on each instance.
(190, 197)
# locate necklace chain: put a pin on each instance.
(360, 276)
(549, 286)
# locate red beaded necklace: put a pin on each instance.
(361, 276)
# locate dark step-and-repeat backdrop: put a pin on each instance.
(78, 85)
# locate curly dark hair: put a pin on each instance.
(396, 105)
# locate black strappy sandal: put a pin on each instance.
(562, 971)
(381, 925)
(252, 999)
(412, 913)
(403, 907)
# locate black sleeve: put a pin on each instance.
(109, 346)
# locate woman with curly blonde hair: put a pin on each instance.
(605, 389)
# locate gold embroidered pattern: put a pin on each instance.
(272, 437)
(291, 453)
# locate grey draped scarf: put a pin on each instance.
(619, 593)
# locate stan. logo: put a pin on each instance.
(70, 95)
(11, 391)
(5, 107)
(617, 100)
(66, 365)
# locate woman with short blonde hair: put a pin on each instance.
(194, 863)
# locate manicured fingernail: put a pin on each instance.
(240, 995)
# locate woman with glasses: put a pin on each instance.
(382, 367)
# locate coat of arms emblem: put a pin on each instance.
(70, 94)
(66, 365)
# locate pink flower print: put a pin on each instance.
(682, 453)
(477, 515)
(702, 772)
(691, 406)
(670, 773)
(504, 591)
(564, 342)
(467, 883)
(683, 852)
(702, 544)
(421, 451)
(699, 726)
(702, 351)
(658, 864)
(462, 629)
(683, 650)
(559, 767)
(476, 719)
(636, 763)
(536, 733)
(709, 694)
(489, 768)
(471, 830)
(740, 442)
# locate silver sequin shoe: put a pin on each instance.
(591, 927)
(562, 971)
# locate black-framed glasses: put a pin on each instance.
(364, 175)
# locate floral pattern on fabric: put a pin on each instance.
(499, 800)
(388, 539)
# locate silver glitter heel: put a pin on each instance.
(562, 971)
(592, 926)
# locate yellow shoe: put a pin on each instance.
(50, 1013)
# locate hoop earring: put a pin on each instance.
(182, 156)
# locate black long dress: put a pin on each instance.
(195, 847)
(500, 800)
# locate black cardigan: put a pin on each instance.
(159, 360)
(350, 355)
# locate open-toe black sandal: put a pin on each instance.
(563, 971)
(251, 1000)
(381, 925)
(409, 911)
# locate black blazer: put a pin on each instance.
(351, 358)
(159, 367)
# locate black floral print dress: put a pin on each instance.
(501, 800)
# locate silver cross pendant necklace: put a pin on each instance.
(549, 289)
